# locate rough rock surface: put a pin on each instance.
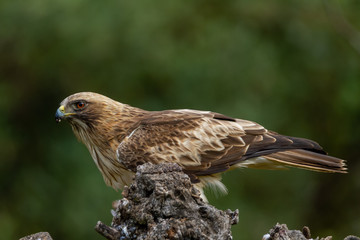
(38, 236)
(163, 204)
(281, 232)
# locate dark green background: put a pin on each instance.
(290, 65)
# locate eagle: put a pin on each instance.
(204, 144)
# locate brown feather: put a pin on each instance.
(309, 160)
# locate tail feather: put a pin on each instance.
(308, 160)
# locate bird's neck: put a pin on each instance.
(108, 131)
(103, 138)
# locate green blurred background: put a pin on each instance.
(293, 66)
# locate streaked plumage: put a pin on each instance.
(120, 137)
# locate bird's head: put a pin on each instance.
(76, 107)
(86, 109)
(92, 114)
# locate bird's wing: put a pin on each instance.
(192, 139)
(206, 143)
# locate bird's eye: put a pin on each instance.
(80, 105)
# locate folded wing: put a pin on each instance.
(206, 143)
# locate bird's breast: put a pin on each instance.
(114, 174)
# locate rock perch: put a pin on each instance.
(162, 204)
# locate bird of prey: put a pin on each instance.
(205, 144)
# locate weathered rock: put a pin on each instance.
(281, 232)
(163, 204)
(38, 236)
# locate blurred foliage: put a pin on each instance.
(284, 64)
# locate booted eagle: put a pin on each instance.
(205, 144)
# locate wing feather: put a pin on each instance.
(206, 143)
(193, 139)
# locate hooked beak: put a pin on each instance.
(61, 114)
